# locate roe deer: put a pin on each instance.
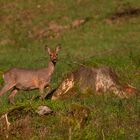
(28, 79)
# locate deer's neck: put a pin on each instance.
(51, 67)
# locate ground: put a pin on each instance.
(92, 33)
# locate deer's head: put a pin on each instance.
(53, 53)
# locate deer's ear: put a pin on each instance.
(58, 48)
(48, 49)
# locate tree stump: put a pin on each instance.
(97, 80)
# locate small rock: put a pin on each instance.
(38, 6)
(78, 22)
(43, 110)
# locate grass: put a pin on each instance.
(96, 43)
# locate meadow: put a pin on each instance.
(109, 36)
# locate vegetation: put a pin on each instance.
(109, 36)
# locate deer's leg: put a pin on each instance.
(41, 89)
(6, 88)
(11, 96)
(49, 90)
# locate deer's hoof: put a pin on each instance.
(42, 98)
(11, 101)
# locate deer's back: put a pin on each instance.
(15, 73)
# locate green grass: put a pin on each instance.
(96, 43)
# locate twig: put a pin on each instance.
(5, 117)
(103, 134)
(70, 133)
(7, 122)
